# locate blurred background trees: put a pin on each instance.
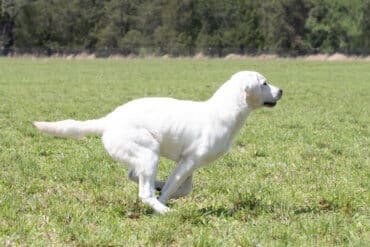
(184, 27)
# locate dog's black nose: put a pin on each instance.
(280, 92)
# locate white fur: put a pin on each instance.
(190, 133)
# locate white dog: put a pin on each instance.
(190, 133)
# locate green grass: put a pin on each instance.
(297, 175)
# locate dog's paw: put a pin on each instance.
(163, 210)
(156, 205)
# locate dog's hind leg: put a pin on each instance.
(139, 150)
(146, 190)
(158, 185)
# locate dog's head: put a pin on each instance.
(258, 92)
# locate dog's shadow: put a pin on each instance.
(218, 212)
(202, 217)
(258, 208)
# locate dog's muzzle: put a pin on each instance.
(272, 104)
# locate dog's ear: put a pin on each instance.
(252, 88)
(251, 83)
(247, 89)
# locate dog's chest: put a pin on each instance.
(208, 140)
(219, 142)
(215, 145)
(208, 146)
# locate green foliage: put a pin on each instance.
(119, 19)
(185, 27)
(365, 24)
(335, 25)
(56, 25)
(285, 27)
(9, 10)
(297, 175)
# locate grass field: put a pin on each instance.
(297, 175)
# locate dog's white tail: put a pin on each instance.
(71, 128)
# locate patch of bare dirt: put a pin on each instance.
(317, 57)
(85, 55)
(200, 56)
(338, 57)
(231, 56)
(234, 56)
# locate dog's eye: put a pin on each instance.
(264, 84)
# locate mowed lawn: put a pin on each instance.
(297, 175)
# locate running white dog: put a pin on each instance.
(190, 133)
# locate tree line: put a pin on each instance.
(184, 27)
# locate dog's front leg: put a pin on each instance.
(184, 189)
(182, 172)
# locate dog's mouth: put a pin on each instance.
(273, 103)
(269, 104)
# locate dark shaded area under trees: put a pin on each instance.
(184, 27)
